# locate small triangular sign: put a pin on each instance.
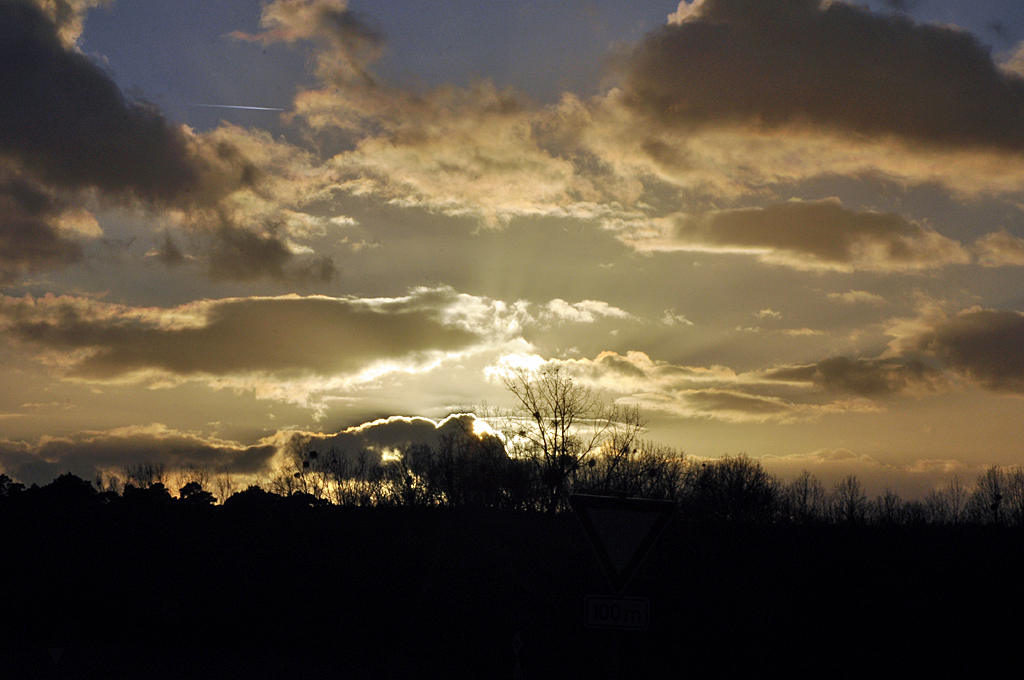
(621, 531)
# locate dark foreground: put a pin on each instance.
(330, 592)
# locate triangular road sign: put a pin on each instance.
(621, 531)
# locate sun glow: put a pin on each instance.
(482, 428)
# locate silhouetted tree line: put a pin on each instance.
(430, 577)
(469, 471)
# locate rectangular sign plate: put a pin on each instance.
(617, 612)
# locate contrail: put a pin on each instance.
(229, 106)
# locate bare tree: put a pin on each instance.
(107, 482)
(351, 480)
(145, 475)
(985, 504)
(957, 494)
(1014, 500)
(470, 469)
(300, 473)
(223, 485)
(406, 477)
(284, 482)
(559, 425)
(887, 508)
(938, 507)
(645, 470)
(193, 473)
(849, 502)
(805, 498)
(914, 513)
(949, 505)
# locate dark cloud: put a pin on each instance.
(861, 377)
(66, 127)
(29, 239)
(998, 28)
(169, 253)
(64, 120)
(823, 231)
(288, 336)
(376, 438)
(321, 269)
(621, 365)
(777, 63)
(987, 344)
(86, 454)
(900, 5)
(242, 255)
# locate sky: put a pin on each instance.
(789, 229)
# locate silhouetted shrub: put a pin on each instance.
(194, 495)
(254, 499)
(151, 497)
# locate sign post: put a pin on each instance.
(630, 613)
(621, 531)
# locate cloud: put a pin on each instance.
(804, 235)
(670, 318)
(479, 151)
(714, 392)
(353, 43)
(66, 122)
(380, 438)
(68, 16)
(801, 332)
(735, 96)
(1014, 64)
(87, 453)
(31, 239)
(858, 297)
(168, 252)
(985, 344)
(685, 12)
(66, 129)
(825, 65)
(731, 161)
(280, 339)
(862, 377)
(240, 255)
(90, 452)
(1000, 249)
(486, 153)
(587, 311)
(731, 405)
(622, 370)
